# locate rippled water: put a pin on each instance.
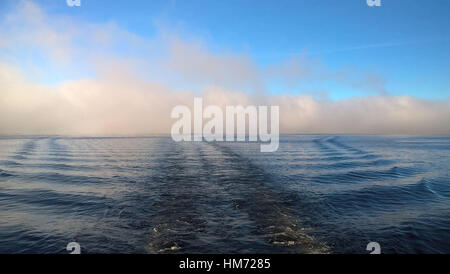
(316, 194)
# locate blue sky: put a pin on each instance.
(404, 42)
(119, 67)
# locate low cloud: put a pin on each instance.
(120, 104)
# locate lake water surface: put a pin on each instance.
(316, 194)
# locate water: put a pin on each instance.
(316, 194)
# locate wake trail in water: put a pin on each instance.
(224, 204)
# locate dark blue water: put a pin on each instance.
(316, 194)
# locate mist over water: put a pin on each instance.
(316, 194)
